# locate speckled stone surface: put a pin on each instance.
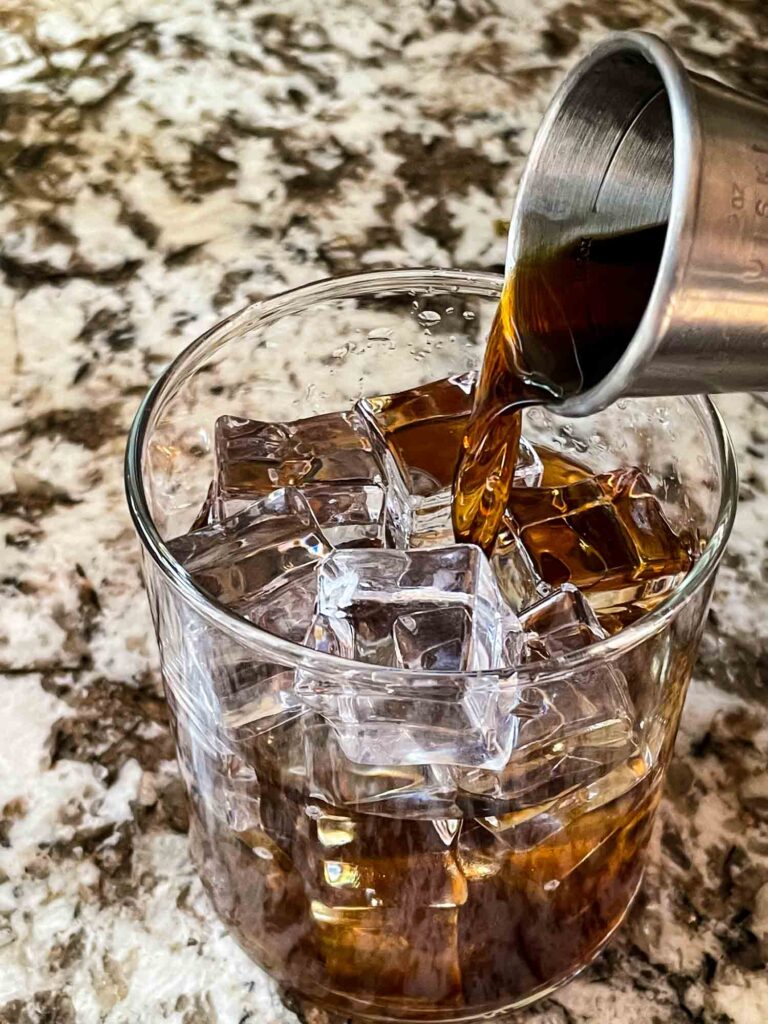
(161, 164)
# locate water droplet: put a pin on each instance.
(468, 314)
(449, 309)
(380, 334)
(263, 852)
(429, 316)
(551, 885)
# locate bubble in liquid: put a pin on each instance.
(468, 314)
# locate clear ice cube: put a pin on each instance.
(429, 523)
(351, 866)
(419, 791)
(329, 458)
(432, 640)
(402, 954)
(362, 594)
(567, 731)
(254, 457)
(434, 610)
(384, 907)
(350, 515)
(607, 534)
(417, 437)
(517, 576)
(254, 549)
(591, 710)
(265, 699)
(286, 607)
(423, 429)
(563, 622)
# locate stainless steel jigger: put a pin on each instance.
(632, 139)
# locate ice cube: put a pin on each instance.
(433, 639)
(254, 549)
(563, 622)
(384, 898)
(254, 457)
(607, 534)
(423, 429)
(417, 438)
(549, 864)
(264, 700)
(429, 523)
(516, 575)
(285, 608)
(590, 710)
(417, 791)
(432, 610)
(529, 467)
(350, 515)
(208, 513)
(328, 457)
(362, 594)
(569, 729)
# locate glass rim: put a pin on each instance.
(329, 666)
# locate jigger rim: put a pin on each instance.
(331, 667)
(686, 175)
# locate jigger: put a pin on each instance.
(632, 139)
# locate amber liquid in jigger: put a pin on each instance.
(443, 911)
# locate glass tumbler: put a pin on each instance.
(422, 885)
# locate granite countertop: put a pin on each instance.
(163, 162)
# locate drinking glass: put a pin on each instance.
(423, 886)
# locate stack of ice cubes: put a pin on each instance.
(335, 531)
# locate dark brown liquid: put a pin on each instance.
(561, 324)
(417, 916)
